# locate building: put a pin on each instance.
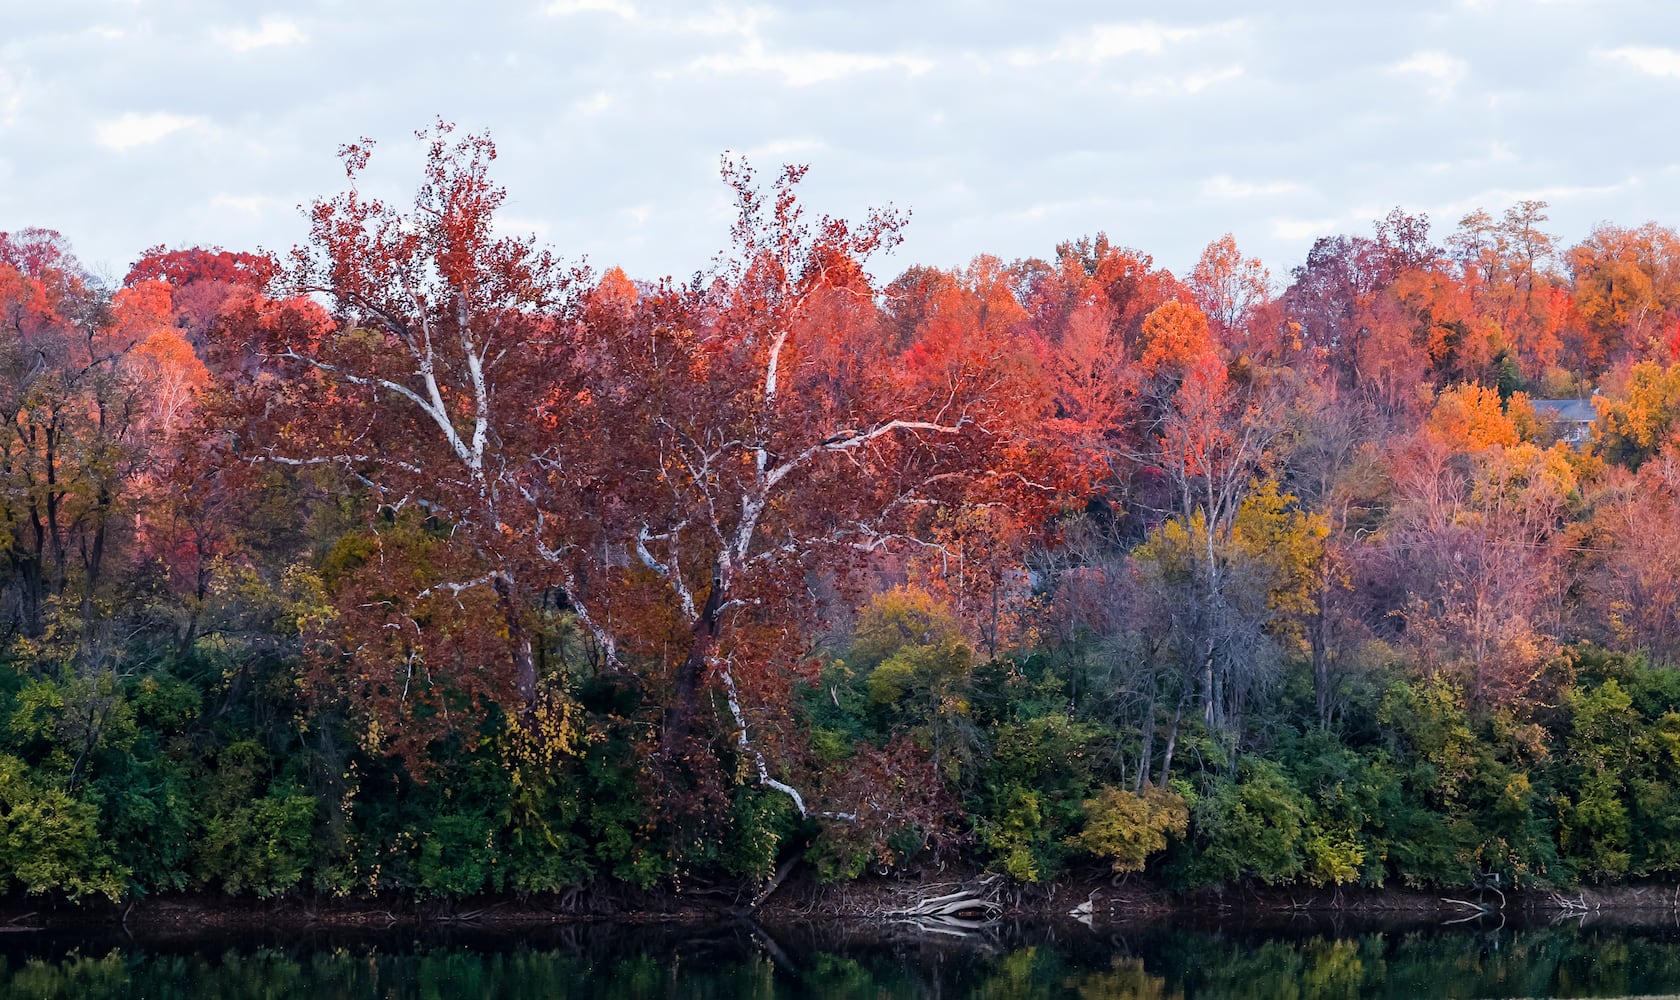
(1571, 418)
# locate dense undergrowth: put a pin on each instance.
(206, 776)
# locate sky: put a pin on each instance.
(1003, 127)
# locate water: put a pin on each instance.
(1303, 959)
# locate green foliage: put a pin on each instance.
(1250, 826)
(1018, 834)
(50, 841)
(263, 847)
(1041, 773)
(760, 821)
(255, 831)
(458, 856)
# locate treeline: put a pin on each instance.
(423, 561)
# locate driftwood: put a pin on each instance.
(1085, 911)
(965, 911)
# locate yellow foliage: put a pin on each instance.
(1174, 335)
(897, 618)
(1333, 859)
(1469, 417)
(1528, 478)
(534, 745)
(1643, 414)
(1519, 409)
(1127, 828)
(1290, 542)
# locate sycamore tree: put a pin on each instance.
(407, 363)
(764, 430)
(672, 464)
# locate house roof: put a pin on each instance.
(1572, 411)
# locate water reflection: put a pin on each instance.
(613, 962)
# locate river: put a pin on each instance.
(1304, 959)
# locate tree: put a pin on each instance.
(1637, 418)
(201, 282)
(1125, 827)
(761, 433)
(1627, 288)
(1504, 265)
(1633, 581)
(419, 389)
(1474, 539)
(1227, 287)
(67, 409)
(670, 461)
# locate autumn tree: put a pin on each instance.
(763, 430)
(67, 410)
(1212, 427)
(1627, 289)
(1475, 533)
(419, 389)
(201, 281)
(1632, 580)
(670, 460)
(1506, 265)
(1639, 413)
(1228, 286)
(195, 318)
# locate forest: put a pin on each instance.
(421, 560)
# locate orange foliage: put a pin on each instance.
(1470, 417)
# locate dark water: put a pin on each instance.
(1302, 959)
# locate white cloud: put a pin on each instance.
(1193, 83)
(1041, 210)
(1497, 154)
(1197, 82)
(1554, 193)
(1647, 59)
(781, 149)
(595, 103)
(718, 21)
(723, 21)
(564, 8)
(11, 98)
(1101, 42)
(269, 31)
(520, 227)
(132, 129)
(1447, 71)
(1302, 229)
(1224, 186)
(1105, 41)
(801, 69)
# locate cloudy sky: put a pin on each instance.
(1005, 127)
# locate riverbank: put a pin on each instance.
(973, 900)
